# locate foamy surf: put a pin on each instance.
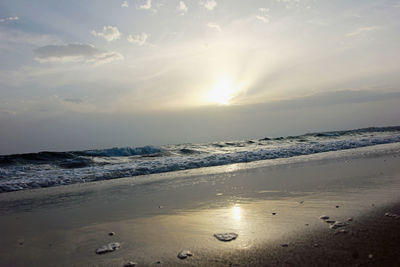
(47, 169)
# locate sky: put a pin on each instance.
(94, 74)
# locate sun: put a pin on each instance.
(222, 92)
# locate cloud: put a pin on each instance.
(13, 37)
(9, 19)
(264, 17)
(73, 100)
(182, 7)
(209, 4)
(74, 53)
(214, 26)
(146, 5)
(138, 39)
(361, 30)
(109, 33)
(125, 4)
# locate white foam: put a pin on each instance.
(119, 162)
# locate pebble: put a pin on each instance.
(108, 248)
(184, 254)
(324, 217)
(219, 194)
(301, 202)
(316, 245)
(111, 233)
(341, 231)
(330, 221)
(370, 256)
(285, 245)
(394, 215)
(274, 213)
(350, 219)
(337, 224)
(130, 264)
(337, 206)
(225, 236)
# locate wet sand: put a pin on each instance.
(274, 208)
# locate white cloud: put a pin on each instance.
(209, 4)
(361, 30)
(16, 37)
(146, 5)
(109, 33)
(9, 19)
(182, 7)
(214, 26)
(263, 16)
(74, 53)
(125, 4)
(138, 39)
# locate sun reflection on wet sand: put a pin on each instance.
(236, 212)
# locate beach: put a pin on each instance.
(274, 206)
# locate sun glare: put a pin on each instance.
(222, 92)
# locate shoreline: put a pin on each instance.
(154, 221)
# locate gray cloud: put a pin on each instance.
(73, 100)
(74, 53)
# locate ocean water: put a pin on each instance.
(46, 169)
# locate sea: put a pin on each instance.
(48, 169)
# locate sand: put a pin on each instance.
(274, 207)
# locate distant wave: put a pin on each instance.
(44, 169)
(121, 151)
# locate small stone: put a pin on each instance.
(324, 217)
(285, 245)
(158, 262)
(219, 194)
(370, 256)
(306, 224)
(337, 224)
(330, 221)
(393, 215)
(301, 202)
(225, 236)
(337, 206)
(184, 254)
(160, 207)
(316, 245)
(111, 233)
(342, 231)
(108, 248)
(130, 264)
(273, 213)
(350, 219)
